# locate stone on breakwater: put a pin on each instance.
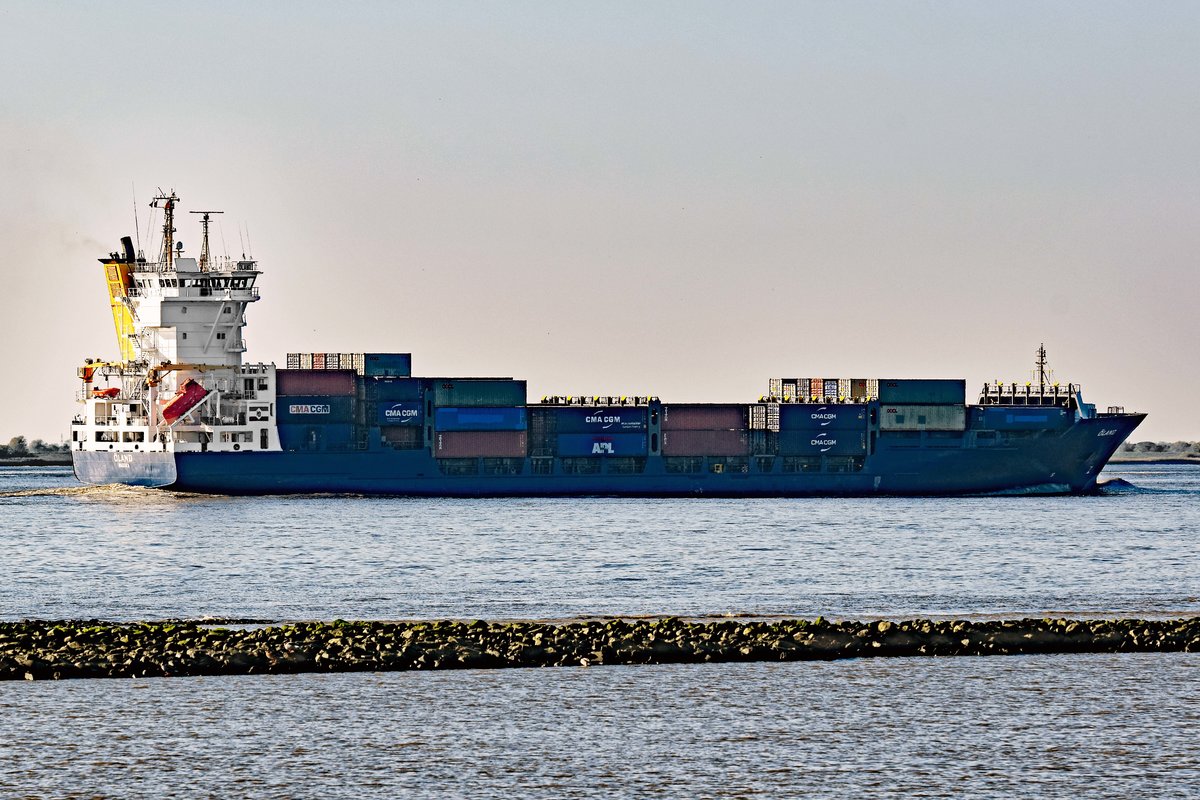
(37, 650)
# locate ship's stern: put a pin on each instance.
(98, 467)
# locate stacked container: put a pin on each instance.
(480, 417)
(593, 431)
(315, 409)
(705, 430)
(373, 364)
(811, 429)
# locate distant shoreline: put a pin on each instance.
(36, 461)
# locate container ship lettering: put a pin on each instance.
(181, 408)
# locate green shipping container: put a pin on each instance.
(478, 392)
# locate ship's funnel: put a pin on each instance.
(127, 245)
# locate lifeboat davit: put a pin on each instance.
(189, 394)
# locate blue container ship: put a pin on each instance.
(181, 408)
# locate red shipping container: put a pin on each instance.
(480, 444)
(318, 360)
(705, 443)
(816, 387)
(314, 382)
(707, 417)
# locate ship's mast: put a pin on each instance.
(1041, 368)
(204, 243)
(167, 258)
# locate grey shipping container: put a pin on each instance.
(815, 416)
(923, 391)
(895, 417)
(478, 392)
(831, 387)
(314, 409)
(691, 442)
(822, 442)
(314, 382)
(476, 444)
(706, 417)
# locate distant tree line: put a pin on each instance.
(1161, 447)
(19, 446)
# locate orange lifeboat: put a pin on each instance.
(109, 393)
(189, 394)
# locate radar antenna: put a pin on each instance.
(204, 242)
(168, 206)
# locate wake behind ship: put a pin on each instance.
(181, 409)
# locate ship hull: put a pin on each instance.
(1052, 462)
(154, 470)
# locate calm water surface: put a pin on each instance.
(1046, 726)
(134, 554)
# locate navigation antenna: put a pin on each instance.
(168, 206)
(204, 243)
(1041, 368)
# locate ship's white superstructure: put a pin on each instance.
(180, 384)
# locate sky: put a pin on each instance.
(679, 199)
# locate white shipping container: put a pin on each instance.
(306, 360)
(843, 387)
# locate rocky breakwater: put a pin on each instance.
(35, 650)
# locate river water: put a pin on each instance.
(1084, 725)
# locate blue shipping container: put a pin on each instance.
(400, 412)
(1008, 418)
(314, 410)
(316, 437)
(394, 388)
(572, 445)
(396, 364)
(479, 418)
(815, 416)
(822, 442)
(923, 391)
(573, 419)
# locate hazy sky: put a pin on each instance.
(681, 199)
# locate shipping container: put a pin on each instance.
(333, 361)
(577, 419)
(476, 444)
(479, 418)
(317, 437)
(478, 392)
(393, 388)
(822, 442)
(403, 437)
(922, 417)
(601, 444)
(816, 387)
(843, 388)
(831, 387)
(314, 409)
(812, 416)
(1032, 418)
(923, 391)
(708, 417)
(400, 412)
(306, 361)
(314, 382)
(692, 442)
(858, 388)
(788, 391)
(293, 361)
(396, 365)
(873, 388)
(318, 360)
